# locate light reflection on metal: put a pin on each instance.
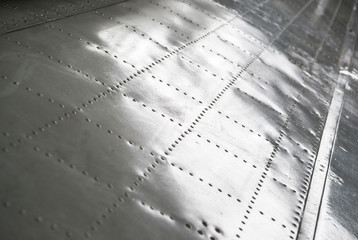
(175, 119)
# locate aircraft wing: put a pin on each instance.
(178, 119)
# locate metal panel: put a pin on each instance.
(176, 119)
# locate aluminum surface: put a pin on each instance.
(178, 119)
(335, 220)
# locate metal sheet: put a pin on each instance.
(175, 120)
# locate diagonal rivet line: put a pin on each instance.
(109, 209)
(111, 89)
(282, 134)
(150, 169)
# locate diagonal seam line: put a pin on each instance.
(329, 163)
(272, 41)
(303, 8)
(116, 3)
(226, 24)
(319, 179)
(209, 32)
(323, 157)
(328, 30)
(59, 18)
(178, 49)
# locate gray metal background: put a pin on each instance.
(178, 119)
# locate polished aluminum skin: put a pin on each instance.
(178, 119)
